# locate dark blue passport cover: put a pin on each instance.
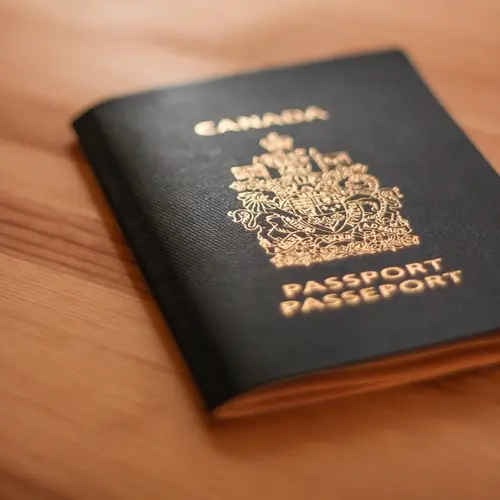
(250, 265)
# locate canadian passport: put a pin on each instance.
(309, 231)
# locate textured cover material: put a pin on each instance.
(250, 265)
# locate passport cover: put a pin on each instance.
(294, 223)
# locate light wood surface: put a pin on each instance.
(94, 400)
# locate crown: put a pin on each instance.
(275, 142)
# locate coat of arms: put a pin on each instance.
(307, 207)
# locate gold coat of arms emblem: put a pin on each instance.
(307, 207)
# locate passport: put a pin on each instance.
(308, 232)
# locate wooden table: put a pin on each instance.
(94, 400)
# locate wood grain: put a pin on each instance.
(95, 402)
